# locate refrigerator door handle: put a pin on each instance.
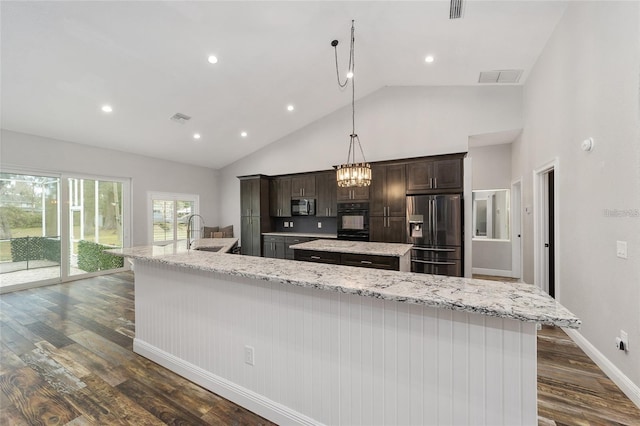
(431, 262)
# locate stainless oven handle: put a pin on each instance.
(431, 249)
(430, 262)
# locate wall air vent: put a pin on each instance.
(500, 77)
(455, 9)
(180, 118)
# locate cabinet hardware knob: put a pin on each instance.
(365, 262)
(315, 257)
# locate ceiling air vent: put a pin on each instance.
(498, 77)
(455, 10)
(180, 118)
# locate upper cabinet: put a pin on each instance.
(254, 196)
(388, 190)
(326, 190)
(303, 185)
(280, 197)
(353, 194)
(437, 175)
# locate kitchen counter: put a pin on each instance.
(523, 302)
(301, 234)
(356, 247)
(180, 247)
(313, 330)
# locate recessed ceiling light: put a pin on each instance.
(350, 74)
(196, 136)
(107, 108)
(244, 134)
(212, 59)
(429, 59)
(290, 108)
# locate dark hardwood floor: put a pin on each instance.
(66, 358)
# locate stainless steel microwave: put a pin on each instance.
(303, 207)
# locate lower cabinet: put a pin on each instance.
(250, 235)
(349, 259)
(289, 241)
(273, 246)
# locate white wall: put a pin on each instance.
(585, 84)
(491, 170)
(394, 122)
(34, 153)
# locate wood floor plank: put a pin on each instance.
(9, 360)
(14, 341)
(49, 334)
(34, 399)
(105, 404)
(114, 354)
(157, 404)
(58, 377)
(110, 373)
(64, 359)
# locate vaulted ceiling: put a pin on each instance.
(62, 61)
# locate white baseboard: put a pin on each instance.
(618, 377)
(246, 398)
(494, 272)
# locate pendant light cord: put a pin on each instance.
(352, 65)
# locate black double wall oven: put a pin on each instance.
(353, 221)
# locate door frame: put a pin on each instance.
(539, 215)
(516, 229)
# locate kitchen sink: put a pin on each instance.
(214, 248)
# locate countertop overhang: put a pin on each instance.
(301, 234)
(519, 301)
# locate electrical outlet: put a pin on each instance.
(248, 355)
(621, 249)
(286, 224)
(319, 224)
(291, 224)
(625, 339)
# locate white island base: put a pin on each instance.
(326, 357)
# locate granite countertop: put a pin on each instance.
(356, 247)
(179, 247)
(523, 302)
(301, 234)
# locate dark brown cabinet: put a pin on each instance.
(326, 190)
(388, 190)
(303, 185)
(274, 246)
(254, 212)
(439, 175)
(387, 205)
(387, 229)
(353, 194)
(280, 197)
(318, 256)
(290, 241)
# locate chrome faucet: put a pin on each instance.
(189, 230)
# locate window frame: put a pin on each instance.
(168, 196)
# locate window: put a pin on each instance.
(169, 214)
(491, 214)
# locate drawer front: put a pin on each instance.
(273, 239)
(368, 261)
(317, 256)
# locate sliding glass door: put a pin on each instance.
(56, 227)
(29, 228)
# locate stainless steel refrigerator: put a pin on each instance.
(434, 227)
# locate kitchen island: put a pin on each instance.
(305, 343)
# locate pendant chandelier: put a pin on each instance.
(352, 173)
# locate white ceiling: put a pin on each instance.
(61, 61)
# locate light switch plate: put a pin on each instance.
(621, 249)
(319, 224)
